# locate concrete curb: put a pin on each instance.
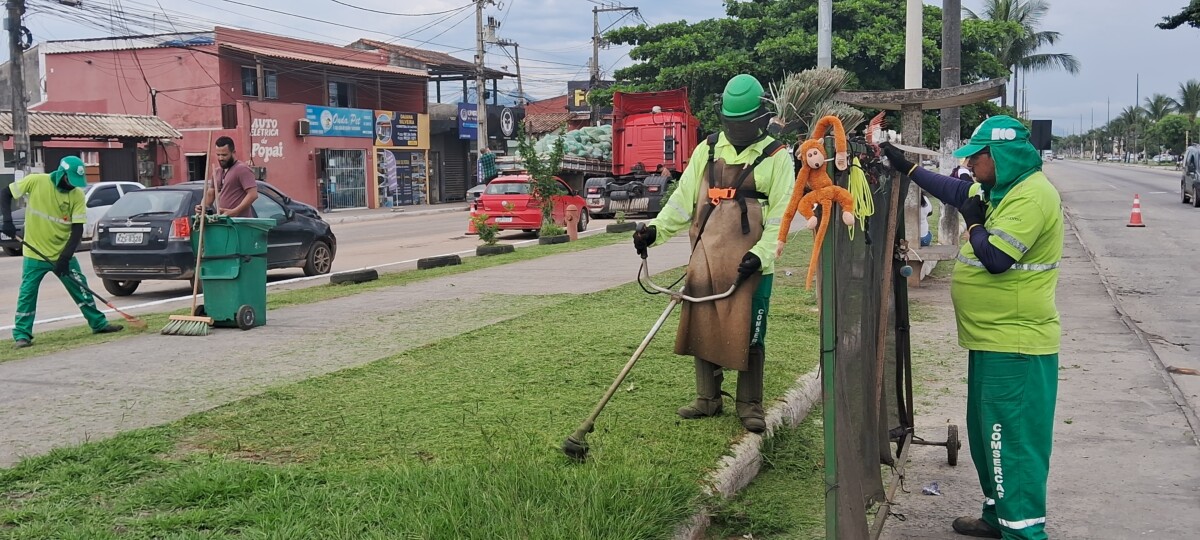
(334, 219)
(735, 471)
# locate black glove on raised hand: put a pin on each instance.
(9, 229)
(973, 210)
(896, 157)
(62, 267)
(750, 264)
(643, 237)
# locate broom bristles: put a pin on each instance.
(183, 325)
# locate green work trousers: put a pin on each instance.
(1010, 428)
(32, 273)
(759, 305)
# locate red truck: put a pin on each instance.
(654, 134)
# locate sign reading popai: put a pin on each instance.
(266, 143)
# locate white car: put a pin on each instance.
(97, 197)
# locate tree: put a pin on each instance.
(771, 39)
(1158, 106)
(1189, 98)
(1189, 15)
(1020, 53)
(541, 169)
(1172, 133)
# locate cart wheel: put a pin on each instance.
(245, 317)
(952, 445)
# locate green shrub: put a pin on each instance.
(488, 232)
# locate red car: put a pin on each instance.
(509, 203)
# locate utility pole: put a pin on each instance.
(494, 25)
(481, 132)
(597, 41)
(825, 33)
(951, 136)
(17, 37)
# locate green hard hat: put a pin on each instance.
(742, 97)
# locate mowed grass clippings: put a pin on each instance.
(52, 341)
(459, 439)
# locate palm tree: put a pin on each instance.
(1020, 54)
(1189, 98)
(1158, 106)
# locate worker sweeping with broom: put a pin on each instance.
(54, 219)
(732, 194)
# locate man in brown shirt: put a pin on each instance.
(235, 182)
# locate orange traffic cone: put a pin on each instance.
(1135, 216)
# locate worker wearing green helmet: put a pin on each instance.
(731, 198)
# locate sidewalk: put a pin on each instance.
(354, 215)
(98, 391)
(1125, 462)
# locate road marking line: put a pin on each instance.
(1160, 192)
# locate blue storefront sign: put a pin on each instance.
(468, 121)
(340, 122)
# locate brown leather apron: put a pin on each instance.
(719, 331)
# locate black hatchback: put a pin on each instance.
(147, 234)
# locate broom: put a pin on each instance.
(193, 325)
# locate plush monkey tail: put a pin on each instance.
(826, 216)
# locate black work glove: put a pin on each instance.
(896, 157)
(9, 229)
(973, 210)
(750, 264)
(643, 237)
(62, 267)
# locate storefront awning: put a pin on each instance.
(352, 60)
(69, 125)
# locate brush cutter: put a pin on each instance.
(133, 321)
(576, 446)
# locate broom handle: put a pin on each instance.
(203, 218)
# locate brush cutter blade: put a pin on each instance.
(575, 449)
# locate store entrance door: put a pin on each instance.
(346, 177)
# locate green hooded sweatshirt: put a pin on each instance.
(1008, 142)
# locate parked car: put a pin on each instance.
(1189, 184)
(296, 206)
(98, 198)
(147, 235)
(517, 191)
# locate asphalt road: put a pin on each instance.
(1152, 270)
(401, 239)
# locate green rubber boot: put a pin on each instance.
(750, 392)
(709, 377)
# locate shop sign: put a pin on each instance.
(396, 129)
(339, 122)
(264, 134)
(468, 121)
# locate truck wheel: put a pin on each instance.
(120, 288)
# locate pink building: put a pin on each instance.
(318, 121)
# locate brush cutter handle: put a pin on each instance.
(644, 273)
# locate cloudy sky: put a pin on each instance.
(1124, 57)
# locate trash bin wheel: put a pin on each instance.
(952, 444)
(245, 317)
(200, 311)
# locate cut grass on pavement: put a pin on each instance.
(458, 439)
(48, 342)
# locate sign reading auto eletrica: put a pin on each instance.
(340, 122)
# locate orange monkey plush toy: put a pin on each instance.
(824, 192)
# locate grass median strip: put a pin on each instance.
(48, 342)
(458, 439)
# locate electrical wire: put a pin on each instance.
(400, 14)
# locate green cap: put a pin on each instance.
(73, 167)
(995, 130)
(742, 97)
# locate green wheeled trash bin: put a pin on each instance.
(233, 270)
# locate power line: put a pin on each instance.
(400, 14)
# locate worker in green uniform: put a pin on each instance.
(1003, 293)
(54, 218)
(733, 194)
